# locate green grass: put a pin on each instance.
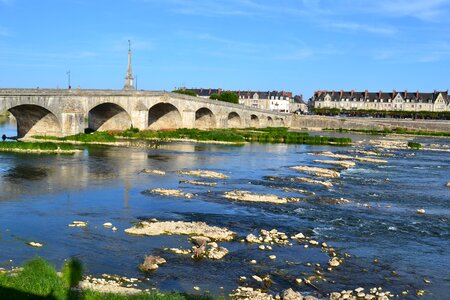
(414, 145)
(392, 131)
(39, 280)
(98, 137)
(262, 135)
(47, 146)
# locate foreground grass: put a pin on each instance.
(39, 280)
(30, 146)
(262, 135)
(392, 131)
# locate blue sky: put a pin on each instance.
(296, 45)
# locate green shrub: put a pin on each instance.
(414, 145)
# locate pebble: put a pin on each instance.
(420, 211)
(272, 257)
(114, 229)
(427, 281)
(257, 278)
(242, 278)
(262, 247)
(313, 242)
(78, 224)
(196, 288)
(107, 224)
(298, 281)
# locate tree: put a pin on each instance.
(229, 97)
(214, 96)
(185, 92)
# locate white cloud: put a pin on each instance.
(427, 10)
(355, 27)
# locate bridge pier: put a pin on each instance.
(72, 123)
(188, 117)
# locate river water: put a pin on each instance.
(389, 244)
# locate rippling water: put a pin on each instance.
(41, 194)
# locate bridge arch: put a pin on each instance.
(35, 120)
(279, 122)
(205, 118)
(270, 122)
(164, 116)
(234, 120)
(108, 116)
(254, 121)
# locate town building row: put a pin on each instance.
(437, 101)
(279, 101)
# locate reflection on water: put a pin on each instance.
(41, 194)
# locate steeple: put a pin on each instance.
(129, 77)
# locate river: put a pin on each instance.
(388, 244)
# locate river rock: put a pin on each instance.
(420, 211)
(35, 244)
(342, 163)
(78, 224)
(181, 228)
(313, 181)
(448, 184)
(204, 174)
(321, 172)
(252, 197)
(290, 294)
(169, 192)
(151, 263)
(248, 293)
(107, 224)
(216, 252)
(200, 240)
(155, 172)
(334, 262)
(201, 183)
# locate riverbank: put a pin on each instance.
(38, 148)
(399, 131)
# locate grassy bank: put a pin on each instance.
(95, 137)
(262, 135)
(39, 280)
(35, 147)
(392, 131)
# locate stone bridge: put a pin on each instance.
(61, 112)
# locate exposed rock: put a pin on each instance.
(420, 211)
(252, 197)
(294, 190)
(342, 163)
(217, 252)
(204, 174)
(257, 278)
(298, 236)
(321, 172)
(181, 227)
(358, 158)
(253, 262)
(314, 181)
(196, 288)
(35, 244)
(273, 236)
(107, 287)
(151, 263)
(334, 262)
(169, 192)
(202, 183)
(448, 184)
(107, 224)
(248, 293)
(272, 257)
(78, 224)
(290, 294)
(333, 201)
(155, 172)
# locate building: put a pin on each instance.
(279, 101)
(437, 101)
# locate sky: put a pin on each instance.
(293, 45)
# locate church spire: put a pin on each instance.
(129, 77)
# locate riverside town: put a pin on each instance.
(188, 150)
